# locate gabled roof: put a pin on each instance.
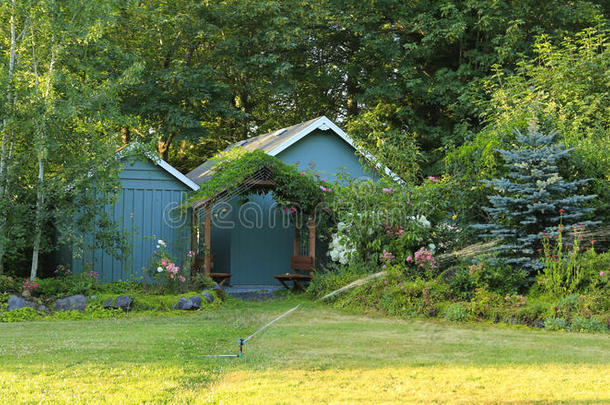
(275, 142)
(123, 152)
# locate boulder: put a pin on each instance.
(15, 302)
(183, 304)
(209, 298)
(73, 303)
(195, 301)
(107, 304)
(123, 302)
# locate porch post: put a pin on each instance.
(312, 238)
(207, 264)
(297, 241)
(194, 239)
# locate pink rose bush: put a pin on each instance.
(168, 275)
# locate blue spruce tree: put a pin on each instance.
(532, 198)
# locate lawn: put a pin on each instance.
(315, 355)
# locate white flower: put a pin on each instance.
(423, 221)
(160, 242)
(159, 269)
(341, 226)
(432, 247)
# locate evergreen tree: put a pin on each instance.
(532, 199)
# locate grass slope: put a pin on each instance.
(316, 355)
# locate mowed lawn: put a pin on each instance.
(315, 355)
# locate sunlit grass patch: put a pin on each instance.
(430, 384)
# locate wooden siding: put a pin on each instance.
(327, 153)
(147, 193)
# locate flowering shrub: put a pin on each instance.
(341, 247)
(169, 276)
(30, 285)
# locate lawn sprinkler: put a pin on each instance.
(242, 342)
(351, 285)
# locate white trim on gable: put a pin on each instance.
(174, 172)
(165, 166)
(324, 124)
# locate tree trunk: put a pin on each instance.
(351, 105)
(125, 135)
(6, 138)
(41, 149)
(39, 209)
(164, 145)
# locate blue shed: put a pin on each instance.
(252, 241)
(148, 209)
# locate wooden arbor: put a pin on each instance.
(262, 180)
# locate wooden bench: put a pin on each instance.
(299, 265)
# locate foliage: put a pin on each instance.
(456, 313)
(591, 325)
(201, 281)
(564, 85)
(498, 276)
(531, 198)
(461, 282)
(299, 192)
(168, 277)
(374, 217)
(567, 264)
(84, 283)
(555, 324)
(8, 284)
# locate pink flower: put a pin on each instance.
(561, 211)
(601, 273)
(317, 174)
(433, 179)
(323, 180)
(190, 253)
(181, 278)
(329, 190)
(387, 190)
(322, 188)
(163, 262)
(409, 259)
(171, 275)
(302, 173)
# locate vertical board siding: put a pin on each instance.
(328, 153)
(146, 190)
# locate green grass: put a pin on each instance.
(316, 355)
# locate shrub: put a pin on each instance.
(582, 324)
(120, 287)
(498, 277)
(461, 283)
(19, 315)
(555, 324)
(531, 314)
(85, 284)
(456, 313)
(201, 282)
(8, 284)
(486, 304)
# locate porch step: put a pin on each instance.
(252, 293)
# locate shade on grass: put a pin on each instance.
(314, 355)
